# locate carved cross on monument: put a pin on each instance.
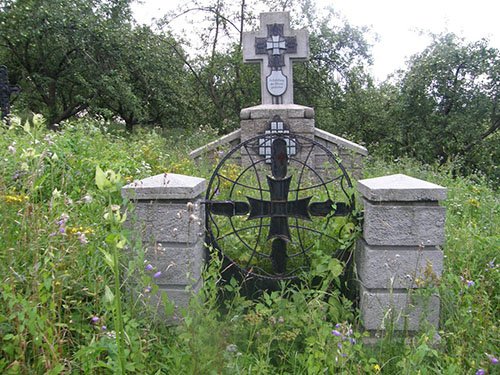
(6, 90)
(275, 46)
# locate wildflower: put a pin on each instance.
(104, 328)
(231, 348)
(376, 367)
(148, 289)
(280, 319)
(272, 320)
(52, 234)
(492, 359)
(87, 199)
(336, 333)
(11, 149)
(83, 239)
(480, 372)
(470, 283)
(149, 267)
(157, 274)
(491, 264)
(95, 319)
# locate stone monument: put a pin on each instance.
(275, 46)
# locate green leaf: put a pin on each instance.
(108, 295)
(168, 306)
(108, 259)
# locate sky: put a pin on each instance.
(400, 26)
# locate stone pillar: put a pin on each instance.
(170, 220)
(403, 225)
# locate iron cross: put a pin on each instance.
(278, 208)
(6, 91)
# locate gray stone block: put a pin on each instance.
(285, 111)
(396, 268)
(400, 187)
(381, 309)
(176, 262)
(179, 296)
(165, 186)
(403, 225)
(168, 222)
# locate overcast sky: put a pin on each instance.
(396, 22)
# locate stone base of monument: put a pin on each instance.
(398, 261)
(293, 118)
(169, 219)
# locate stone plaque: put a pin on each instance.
(276, 83)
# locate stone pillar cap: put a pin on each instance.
(165, 186)
(399, 187)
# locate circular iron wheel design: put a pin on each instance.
(270, 223)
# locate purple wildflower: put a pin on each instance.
(280, 319)
(480, 372)
(339, 345)
(157, 274)
(470, 283)
(62, 230)
(493, 360)
(491, 264)
(95, 319)
(104, 328)
(148, 289)
(149, 267)
(52, 234)
(336, 333)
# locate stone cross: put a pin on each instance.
(5, 91)
(275, 46)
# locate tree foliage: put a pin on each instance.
(448, 105)
(48, 41)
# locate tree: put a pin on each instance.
(48, 42)
(143, 77)
(449, 100)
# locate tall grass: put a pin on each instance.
(60, 280)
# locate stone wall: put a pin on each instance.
(403, 225)
(299, 120)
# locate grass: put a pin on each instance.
(60, 281)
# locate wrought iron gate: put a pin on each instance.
(269, 211)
